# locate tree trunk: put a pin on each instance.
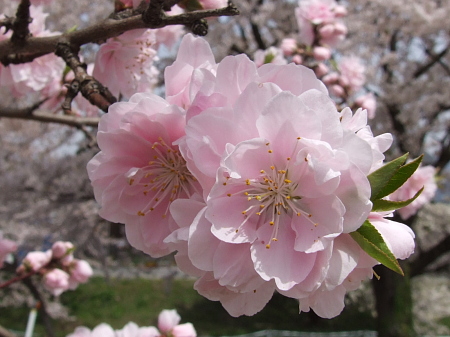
(393, 302)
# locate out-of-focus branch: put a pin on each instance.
(20, 24)
(31, 114)
(434, 59)
(91, 89)
(38, 46)
(43, 308)
(444, 156)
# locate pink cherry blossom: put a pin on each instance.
(41, 74)
(213, 4)
(422, 177)
(56, 281)
(282, 178)
(168, 325)
(139, 171)
(352, 73)
(6, 247)
(125, 63)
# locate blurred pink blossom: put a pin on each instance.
(56, 281)
(168, 325)
(61, 248)
(321, 53)
(424, 176)
(36, 260)
(288, 46)
(368, 102)
(80, 272)
(352, 73)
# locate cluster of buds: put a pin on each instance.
(59, 269)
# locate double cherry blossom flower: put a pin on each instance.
(251, 174)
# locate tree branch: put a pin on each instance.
(92, 90)
(434, 59)
(20, 24)
(6, 333)
(30, 114)
(38, 46)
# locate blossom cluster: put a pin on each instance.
(321, 29)
(167, 324)
(59, 269)
(249, 173)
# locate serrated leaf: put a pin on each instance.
(381, 205)
(381, 177)
(400, 177)
(371, 241)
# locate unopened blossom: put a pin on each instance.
(61, 248)
(36, 260)
(321, 53)
(139, 171)
(168, 325)
(56, 281)
(101, 330)
(424, 177)
(80, 272)
(6, 247)
(352, 73)
(288, 46)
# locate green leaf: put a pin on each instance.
(381, 205)
(381, 177)
(400, 177)
(371, 241)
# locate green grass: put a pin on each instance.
(119, 301)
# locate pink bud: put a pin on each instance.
(340, 28)
(321, 69)
(340, 11)
(167, 320)
(60, 248)
(321, 53)
(81, 271)
(330, 78)
(6, 247)
(36, 260)
(337, 90)
(56, 281)
(297, 59)
(288, 46)
(327, 30)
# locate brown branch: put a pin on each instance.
(38, 46)
(30, 114)
(419, 265)
(20, 24)
(434, 59)
(91, 89)
(17, 279)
